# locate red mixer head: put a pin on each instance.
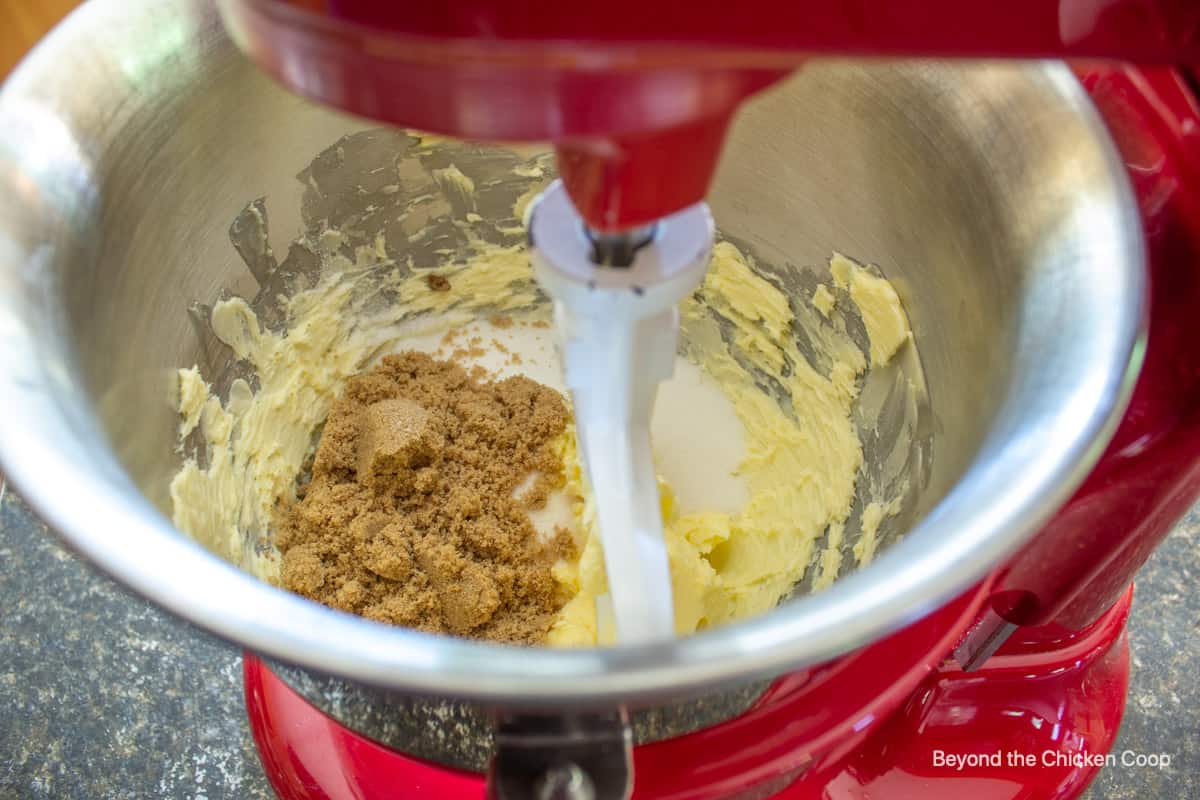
(637, 96)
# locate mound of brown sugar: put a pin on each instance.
(416, 512)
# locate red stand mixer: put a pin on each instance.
(1013, 689)
(637, 98)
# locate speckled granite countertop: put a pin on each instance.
(101, 696)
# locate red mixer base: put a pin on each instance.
(1038, 721)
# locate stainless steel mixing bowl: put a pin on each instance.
(989, 194)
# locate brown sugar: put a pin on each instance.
(471, 351)
(412, 515)
(396, 435)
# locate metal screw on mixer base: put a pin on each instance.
(562, 756)
(565, 782)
